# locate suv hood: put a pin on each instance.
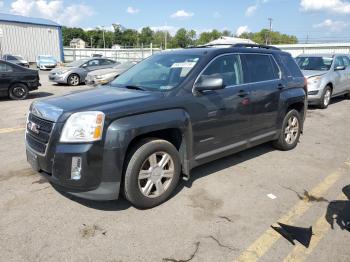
(106, 99)
(312, 73)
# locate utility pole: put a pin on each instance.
(270, 20)
(90, 41)
(103, 36)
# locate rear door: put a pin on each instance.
(265, 84)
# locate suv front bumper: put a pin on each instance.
(97, 178)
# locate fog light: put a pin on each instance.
(76, 168)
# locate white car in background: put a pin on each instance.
(104, 76)
(44, 62)
(328, 76)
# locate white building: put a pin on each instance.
(226, 40)
(77, 43)
(30, 37)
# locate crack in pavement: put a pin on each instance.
(186, 260)
(226, 218)
(307, 197)
(222, 245)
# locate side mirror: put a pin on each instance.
(209, 84)
(339, 68)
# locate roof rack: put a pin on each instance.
(256, 46)
(240, 45)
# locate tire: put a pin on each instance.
(146, 191)
(288, 138)
(18, 91)
(73, 80)
(326, 97)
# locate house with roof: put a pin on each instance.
(77, 43)
(30, 37)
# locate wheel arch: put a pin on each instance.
(172, 125)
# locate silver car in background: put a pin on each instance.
(104, 76)
(74, 73)
(328, 76)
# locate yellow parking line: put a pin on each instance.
(320, 229)
(11, 130)
(260, 246)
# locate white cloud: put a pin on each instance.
(334, 26)
(55, 10)
(242, 29)
(1, 4)
(251, 10)
(132, 10)
(336, 6)
(182, 14)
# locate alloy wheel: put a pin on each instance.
(156, 174)
(291, 131)
(327, 97)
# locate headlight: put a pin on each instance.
(62, 72)
(83, 127)
(314, 80)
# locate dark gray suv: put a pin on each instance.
(163, 117)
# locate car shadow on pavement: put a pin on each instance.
(30, 96)
(334, 101)
(338, 211)
(224, 163)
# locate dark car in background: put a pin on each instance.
(16, 59)
(164, 116)
(17, 81)
(75, 73)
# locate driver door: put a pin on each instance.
(340, 76)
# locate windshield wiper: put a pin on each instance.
(135, 87)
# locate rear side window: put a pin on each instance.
(227, 67)
(291, 66)
(346, 61)
(260, 67)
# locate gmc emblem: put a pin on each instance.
(33, 127)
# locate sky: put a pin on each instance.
(316, 20)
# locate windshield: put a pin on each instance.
(316, 63)
(77, 63)
(160, 72)
(14, 57)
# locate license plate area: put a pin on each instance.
(32, 159)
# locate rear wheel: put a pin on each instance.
(290, 133)
(326, 97)
(152, 173)
(18, 91)
(73, 80)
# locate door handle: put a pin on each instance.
(242, 93)
(281, 86)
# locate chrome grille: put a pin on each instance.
(38, 137)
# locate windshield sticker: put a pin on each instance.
(166, 87)
(183, 64)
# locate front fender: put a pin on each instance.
(123, 131)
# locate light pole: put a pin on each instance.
(270, 20)
(103, 36)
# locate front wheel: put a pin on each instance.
(73, 80)
(326, 97)
(290, 133)
(152, 173)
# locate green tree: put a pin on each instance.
(130, 38)
(146, 36)
(265, 36)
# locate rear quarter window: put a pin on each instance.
(291, 66)
(260, 67)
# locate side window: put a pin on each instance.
(346, 61)
(338, 61)
(94, 62)
(5, 68)
(227, 67)
(291, 66)
(105, 62)
(260, 68)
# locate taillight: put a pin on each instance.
(305, 85)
